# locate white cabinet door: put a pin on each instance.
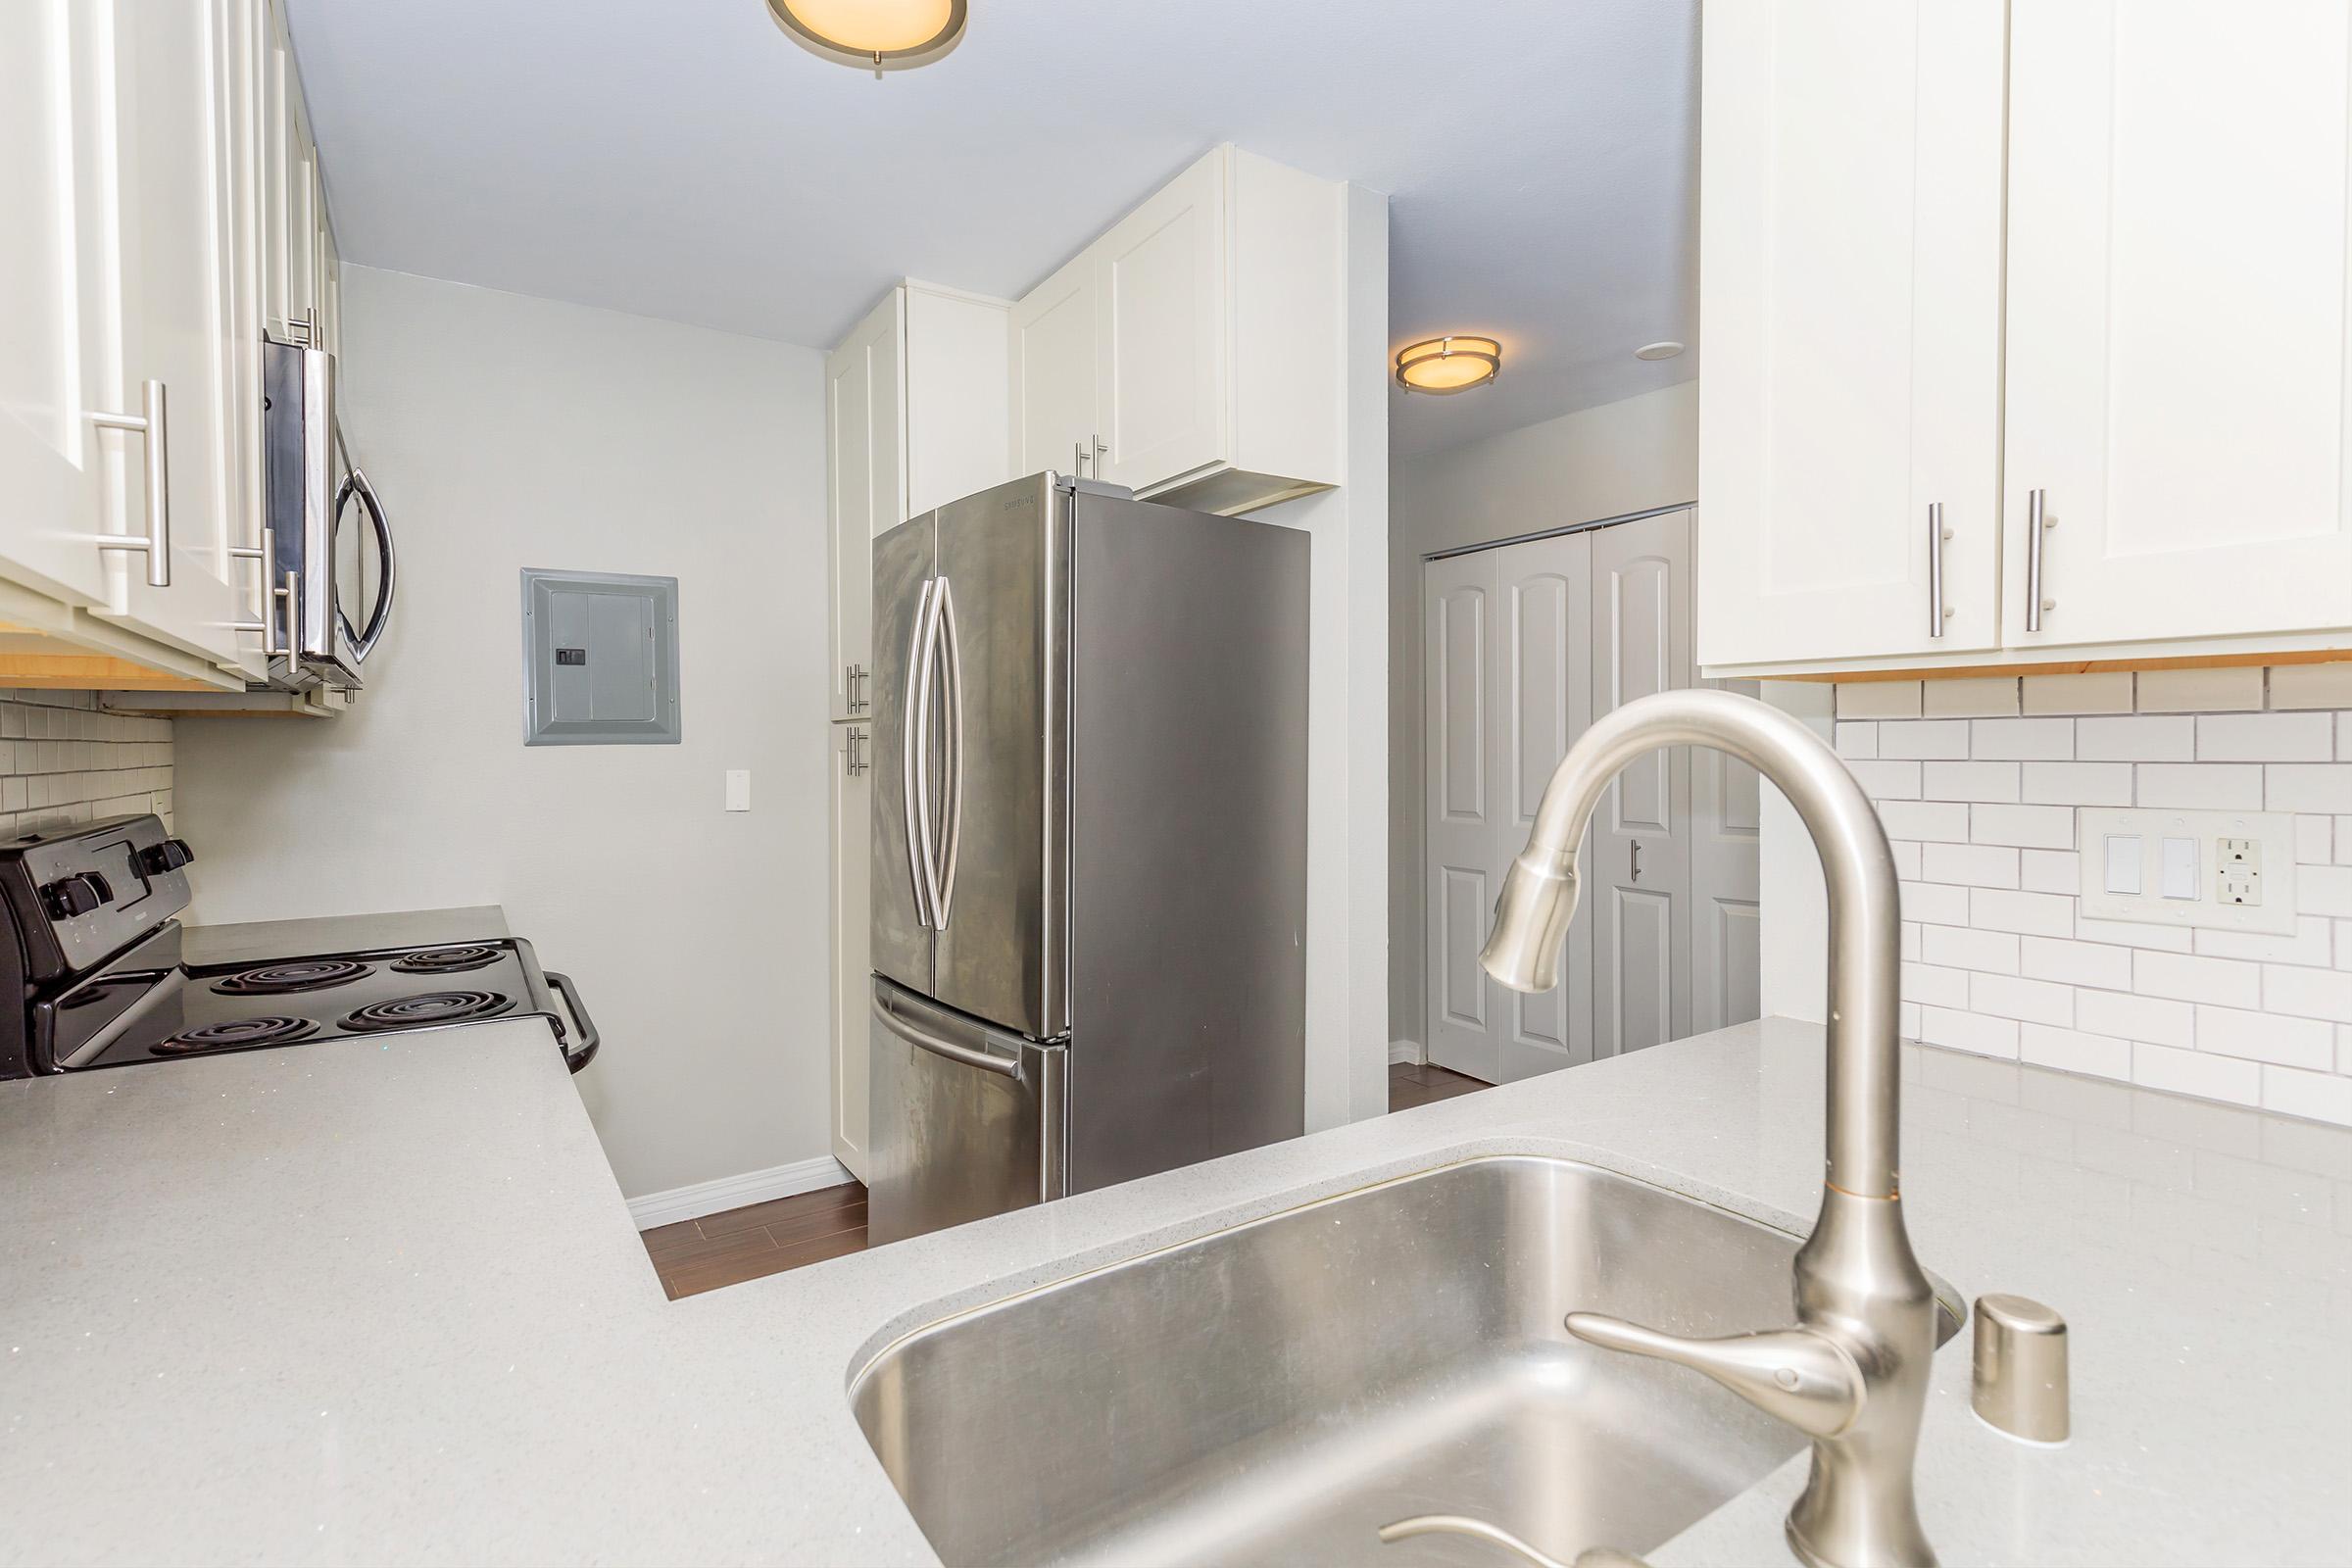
(1161, 343)
(1542, 695)
(2178, 346)
(866, 489)
(853, 971)
(1636, 862)
(57, 180)
(174, 102)
(1851, 273)
(1462, 812)
(1054, 367)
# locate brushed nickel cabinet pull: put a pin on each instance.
(2037, 524)
(1937, 537)
(153, 422)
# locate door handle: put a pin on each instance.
(853, 685)
(1636, 877)
(355, 483)
(852, 764)
(951, 811)
(1100, 452)
(915, 751)
(2038, 523)
(153, 422)
(1078, 459)
(1938, 535)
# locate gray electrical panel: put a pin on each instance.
(600, 659)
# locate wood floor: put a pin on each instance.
(760, 1238)
(743, 1244)
(1410, 1086)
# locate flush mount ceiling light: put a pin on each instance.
(1444, 365)
(876, 34)
(1658, 351)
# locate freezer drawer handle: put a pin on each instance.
(939, 1046)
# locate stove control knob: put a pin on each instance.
(70, 896)
(169, 856)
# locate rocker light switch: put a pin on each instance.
(2122, 863)
(2179, 868)
(2217, 871)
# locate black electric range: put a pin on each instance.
(93, 957)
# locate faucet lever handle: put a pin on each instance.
(1801, 1376)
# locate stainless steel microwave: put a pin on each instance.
(331, 589)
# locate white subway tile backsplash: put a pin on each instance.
(2049, 870)
(1958, 947)
(1978, 782)
(2038, 915)
(2266, 738)
(2099, 692)
(1946, 821)
(1857, 739)
(2076, 963)
(2233, 689)
(2201, 786)
(1970, 697)
(2076, 783)
(2003, 996)
(65, 762)
(1981, 865)
(2191, 1072)
(2304, 993)
(2308, 787)
(2032, 827)
(2224, 982)
(2130, 1018)
(2141, 739)
(2014, 739)
(2311, 685)
(1922, 738)
(2260, 1036)
(1877, 699)
(1969, 781)
(2069, 1051)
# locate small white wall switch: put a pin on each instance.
(2211, 870)
(2179, 868)
(2122, 863)
(739, 789)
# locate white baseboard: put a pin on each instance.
(1408, 1051)
(733, 1191)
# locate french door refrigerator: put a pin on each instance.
(1089, 847)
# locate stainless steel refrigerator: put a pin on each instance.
(1089, 847)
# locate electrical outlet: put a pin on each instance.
(2217, 871)
(2237, 872)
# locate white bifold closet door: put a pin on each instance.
(1524, 646)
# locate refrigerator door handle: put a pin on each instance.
(943, 887)
(915, 754)
(940, 1046)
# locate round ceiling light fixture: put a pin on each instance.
(873, 35)
(1446, 365)
(1658, 351)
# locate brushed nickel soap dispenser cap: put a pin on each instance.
(2021, 1372)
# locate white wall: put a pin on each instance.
(1978, 782)
(1598, 463)
(1348, 958)
(506, 432)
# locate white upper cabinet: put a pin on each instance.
(56, 174)
(1161, 353)
(1851, 183)
(1052, 368)
(1194, 352)
(2178, 322)
(2075, 272)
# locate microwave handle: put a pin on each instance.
(362, 642)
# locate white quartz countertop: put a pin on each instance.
(379, 1302)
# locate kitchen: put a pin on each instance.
(458, 605)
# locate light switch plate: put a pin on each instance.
(739, 789)
(2215, 870)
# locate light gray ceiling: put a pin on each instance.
(684, 159)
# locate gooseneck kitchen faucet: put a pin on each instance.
(1853, 1374)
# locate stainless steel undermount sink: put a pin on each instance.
(1276, 1391)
